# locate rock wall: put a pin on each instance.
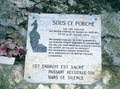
(14, 17)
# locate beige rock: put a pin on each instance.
(70, 86)
(72, 2)
(78, 88)
(98, 87)
(42, 87)
(28, 86)
(16, 74)
(86, 87)
(55, 86)
(118, 74)
(106, 78)
(11, 82)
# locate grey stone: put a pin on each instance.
(23, 32)
(72, 2)
(113, 48)
(25, 85)
(114, 82)
(6, 22)
(58, 9)
(40, 6)
(22, 3)
(116, 51)
(110, 24)
(7, 81)
(17, 73)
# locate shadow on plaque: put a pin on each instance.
(34, 39)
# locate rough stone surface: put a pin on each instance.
(55, 86)
(13, 19)
(42, 87)
(98, 87)
(70, 86)
(72, 2)
(106, 77)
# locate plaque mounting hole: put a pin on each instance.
(91, 14)
(33, 17)
(29, 77)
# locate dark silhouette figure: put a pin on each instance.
(34, 39)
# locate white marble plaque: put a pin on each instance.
(63, 48)
(7, 60)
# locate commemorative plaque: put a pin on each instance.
(63, 48)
